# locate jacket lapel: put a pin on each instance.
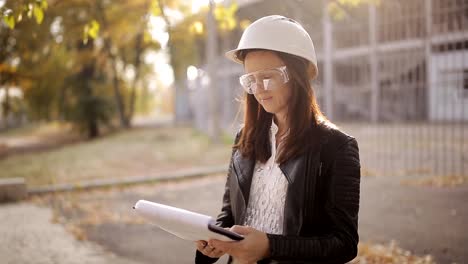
(301, 175)
(293, 170)
(244, 171)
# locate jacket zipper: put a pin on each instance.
(320, 170)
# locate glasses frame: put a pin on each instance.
(282, 69)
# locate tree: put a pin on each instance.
(50, 59)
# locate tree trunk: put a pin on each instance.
(6, 107)
(118, 96)
(137, 64)
(115, 79)
(211, 52)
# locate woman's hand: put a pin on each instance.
(254, 247)
(208, 250)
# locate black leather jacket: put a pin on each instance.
(322, 202)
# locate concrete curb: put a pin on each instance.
(170, 176)
(12, 189)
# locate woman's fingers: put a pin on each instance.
(201, 244)
(207, 250)
(216, 253)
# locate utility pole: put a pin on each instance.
(327, 60)
(428, 55)
(211, 52)
(374, 64)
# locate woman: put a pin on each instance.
(293, 183)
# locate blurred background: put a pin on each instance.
(97, 95)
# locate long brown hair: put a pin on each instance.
(303, 116)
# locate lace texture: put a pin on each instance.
(265, 209)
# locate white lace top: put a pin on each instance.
(265, 209)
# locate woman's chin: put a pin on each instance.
(269, 109)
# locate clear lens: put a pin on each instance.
(267, 79)
(249, 84)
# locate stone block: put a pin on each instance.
(12, 189)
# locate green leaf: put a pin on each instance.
(38, 14)
(10, 21)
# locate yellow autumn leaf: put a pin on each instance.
(196, 27)
(10, 21)
(233, 8)
(219, 13)
(155, 9)
(38, 14)
(231, 23)
(44, 4)
(94, 29)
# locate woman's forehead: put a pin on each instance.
(261, 60)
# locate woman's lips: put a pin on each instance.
(266, 99)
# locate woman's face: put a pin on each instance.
(273, 101)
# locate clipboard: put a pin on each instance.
(184, 224)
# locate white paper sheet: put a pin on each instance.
(182, 223)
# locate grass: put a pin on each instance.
(137, 152)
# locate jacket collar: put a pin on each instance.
(244, 166)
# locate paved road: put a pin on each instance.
(425, 220)
(28, 236)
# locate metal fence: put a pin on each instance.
(410, 80)
(398, 82)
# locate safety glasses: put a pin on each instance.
(267, 79)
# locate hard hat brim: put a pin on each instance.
(232, 55)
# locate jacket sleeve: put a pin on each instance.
(342, 206)
(225, 218)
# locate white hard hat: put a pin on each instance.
(278, 33)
